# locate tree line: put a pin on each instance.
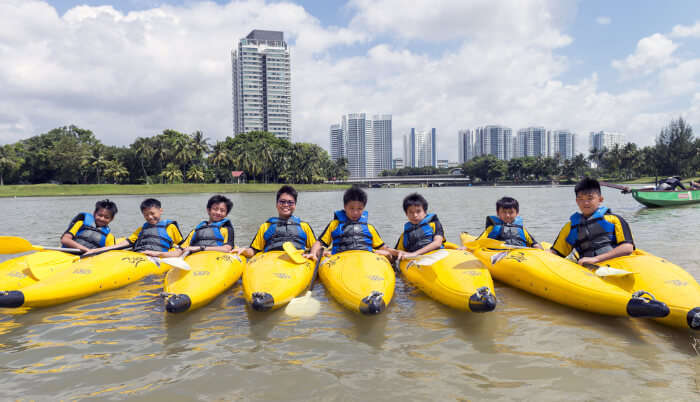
(73, 155)
(676, 152)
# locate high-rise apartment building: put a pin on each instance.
(262, 97)
(381, 145)
(420, 148)
(531, 141)
(563, 144)
(465, 145)
(365, 143)
(354, 128)
(605, 139)
(337, 142)
(494, 140)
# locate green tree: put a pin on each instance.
(676, 149)
(115, 170)
(195, 174)
(171, 173)
(9, 162)
(486, 168)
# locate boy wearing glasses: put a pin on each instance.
(596, 233)
(284, 228)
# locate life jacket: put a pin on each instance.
(593, 236)
(351, 235)
(154, 237)
(417, 236)
(89, 235)
(511, 233)
(284, 230)
(209, 234)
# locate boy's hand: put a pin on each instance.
(587, 260)
(385, 253)
(538, 245)
(152, 253)
(402, 255)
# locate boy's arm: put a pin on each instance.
(434, 245)
(619, 251)
(561, 247)
(531, 242)
(257, 245)
(121, 244)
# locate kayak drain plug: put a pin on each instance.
(373, 304)
(482, 301)
(177, 303)
(693, 318)
(11, 298)
(262, 301)
(644, 305)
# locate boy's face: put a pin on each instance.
(217, 211)
(353, 209)
(588, 202)
(286, 205)
(507, 215)
(152, 214)
(103, 217)
(415, 214)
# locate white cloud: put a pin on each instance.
(682, 31)
(682, 79)
(603, 20)
(652, 53)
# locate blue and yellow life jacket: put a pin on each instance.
(351, 235)
(154, 237)
(417, 236)
(593, 236)
(284, 230)
(89, 235)
(209, 234)
(511, 233)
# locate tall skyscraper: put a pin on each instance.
(605, 139)
(262, 97)
(355, 133)
(337, 142)
(563, 144)
(381, 144)
(465, 145)
(420, 148)
(531, 141)
(494, 140)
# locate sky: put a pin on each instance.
(132, 68)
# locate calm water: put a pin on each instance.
(121, 344)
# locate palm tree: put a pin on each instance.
(115, 170)
(171, 173)
(195, 174)
(8, 162)
(200, 144)
(144, 149)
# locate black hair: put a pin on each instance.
(149, 203)
(218, 199)
(355, 193)
(287, 189)
(414, 200)
(587, 185)
(108, 205)
(508, 203)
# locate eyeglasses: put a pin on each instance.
(286, 202)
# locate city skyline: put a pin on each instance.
(135, 68)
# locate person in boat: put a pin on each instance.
(214, 234)
(507, 225)
(595, 232)
(349, 229)
(88, 231)
(155, 238)
(422, 233)
(286, 227)
(670, 184)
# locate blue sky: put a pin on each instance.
(626, 66)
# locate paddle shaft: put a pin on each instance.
(318, 263)
(616, 186)
(104, 251)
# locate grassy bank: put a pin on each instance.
(46, 190)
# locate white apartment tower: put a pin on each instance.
(420, 148)
(381, 145)
(494, 140)
(337, 142)
(532, 141)
(354, 128)
(465, 145)
(605, 139)
(563, 144)
(262, 97)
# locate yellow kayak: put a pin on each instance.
(458, 280)
(359, 280)
(272, 279)
(26, 270)
(212, 273)
(563, 281)
(83, 278)
(664, 280)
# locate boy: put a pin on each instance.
(87, 231)
(507, 226)
(349, 229)
(216, 234)
(286, 227)
(155, 238)
(422, 233)
(596, 233)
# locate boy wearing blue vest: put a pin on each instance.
(349, 229)
(422, 233)
(507, 226)
(284, 228)
(215, 234)
(596, 233)
(88, 231)
(156, 237)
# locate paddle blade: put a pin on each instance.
(293, 253)
(304, 306)
(430, 259)
(44, 264)
(176, 262)
(14, 245)
(608, 271)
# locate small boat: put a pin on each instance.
(653, 198)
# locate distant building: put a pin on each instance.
(465, 145)
(397, 163)
(354, 128)
(420, 148)
(563, 144)
(532, 141)
(494, 140)
(381, 145)
(337, 142)
(443, 163)
(262, 95)
(365, 143)
(605, 139)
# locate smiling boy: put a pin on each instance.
(508, 226)
(422, 233)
